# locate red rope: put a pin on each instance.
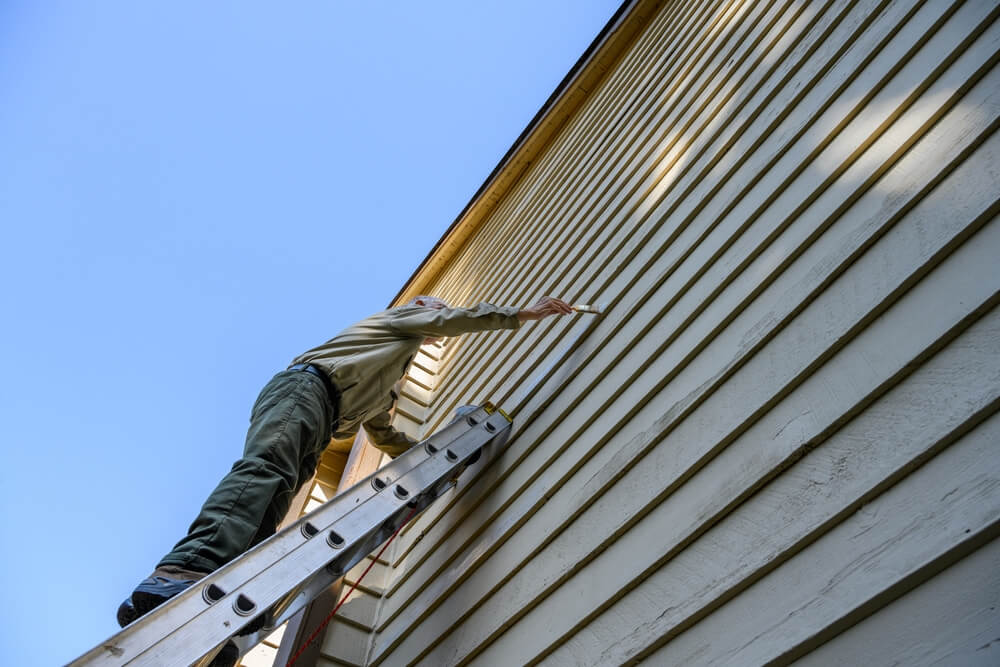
(330, 616)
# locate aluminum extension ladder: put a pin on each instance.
(269, 584)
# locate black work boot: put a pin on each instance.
(127, 612)
(165, 582)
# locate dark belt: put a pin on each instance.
(331, 389)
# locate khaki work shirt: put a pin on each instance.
(366, 360)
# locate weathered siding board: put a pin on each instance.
(941, 512)
(343, 644)
(572, 394)
(704, 431)
(950, 620)
(360, 608)
(790, 208)
(906, 426)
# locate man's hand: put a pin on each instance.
(545, 307)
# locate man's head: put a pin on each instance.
(428, 302)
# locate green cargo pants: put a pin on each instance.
(290, 426)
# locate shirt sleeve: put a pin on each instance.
(382, 434)
(428, 322)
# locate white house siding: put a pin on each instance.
(780, 441)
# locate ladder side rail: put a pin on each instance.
(284, 609)
(232, 579)
(312, 588)
(267, 552)
(361, 531)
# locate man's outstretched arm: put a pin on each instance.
(436, 319)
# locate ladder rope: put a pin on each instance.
(329, 617)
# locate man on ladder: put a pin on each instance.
(328, 393)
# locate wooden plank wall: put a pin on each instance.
(779, 443)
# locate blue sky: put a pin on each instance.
(191, 194)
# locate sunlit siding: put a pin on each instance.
(779, 442)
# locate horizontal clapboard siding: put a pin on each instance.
(779, 441)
